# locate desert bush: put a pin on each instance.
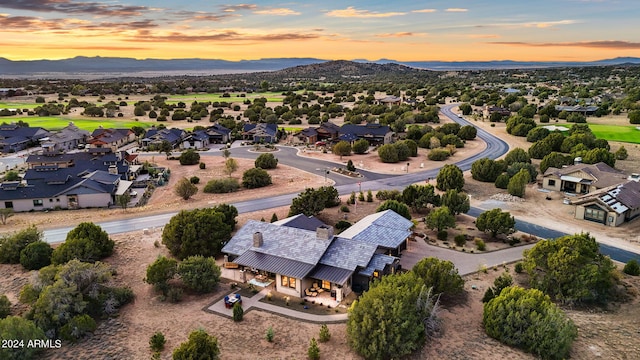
(157, 341)
(344, 208)
(632, 268)
(269, 334)
(5, 306)
(389, 195)
(11, 245)
(266, 161)
(203, 165)
(324, 335)
(78, 327)
(256, 178)
(194, 180)
(480, 245)
(438, 154)
(460, 239)
(36, 255)
(189, 157)
(221, 186)
(442, 235)
(519, 267)
(314, 351)
(238, 312)
(342, 225)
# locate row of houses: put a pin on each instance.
(92, 178)
(376, 134)
(300, 251)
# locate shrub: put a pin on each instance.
(255, 178)
(502, 181)
(314, 351)
(194, 180)
(202, 165)
(442, 235)
(86, 242)
(174, 295)
(78, 327)
(5, 306)
(350, 166)
(480, 244)
(324, 335)
(344, 208)
(398, 207)
(221, 186)
(632, 268)
(369, 196)
(36, 255)
(269, 334)
(199, 273)
(460, 239)
(438, 154)
(527, 319)
(441, 275)
(503, 281)
(519, 267)
(12, 245)
(342, 225)
(389, 195)
(266, 161)
(189, 157)
(157, 341)
(238, 312)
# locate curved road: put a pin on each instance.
(495, 148)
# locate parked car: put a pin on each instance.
(321, 143)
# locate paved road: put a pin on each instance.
(345, 185)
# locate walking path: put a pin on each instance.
(255, 303)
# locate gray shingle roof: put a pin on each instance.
(290, 243)
(378, 262)
(348, 254)
(386, 229)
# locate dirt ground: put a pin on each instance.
(608, 334)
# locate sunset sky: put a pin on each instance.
(451, 30)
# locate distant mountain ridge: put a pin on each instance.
(110, 65)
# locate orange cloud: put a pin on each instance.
(277, 12)
(352, 12)
(226, 36)
(233, 8)
(395, 35)
(456, 10)
(75, 7)
(424, 11)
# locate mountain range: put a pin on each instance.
(116, 66)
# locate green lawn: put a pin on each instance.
(56, 123)
(18, 105)
(616, 133)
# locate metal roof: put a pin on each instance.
(274, 264)
(329, 273)
(301, 221)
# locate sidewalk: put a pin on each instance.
(254, 302)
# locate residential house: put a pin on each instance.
(69, 138)
(490, 110)
(585, 110)
(298, 256)
(71, 181)
(218, 134)
(260, 133)
(328, 131)
(196, 140)
(376, 134)
(154, 137)
(306, 136)
(111, 138)
(581, 178)
(14, 138)
(611, 206)
(389, 100)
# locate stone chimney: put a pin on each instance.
(324, 232)
(257, 239)
(113, 170)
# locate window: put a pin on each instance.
(50, 200)
(37, 202)
(288, 281)
(594, 214)
(8, 204)
(552, 182)
(326, 285)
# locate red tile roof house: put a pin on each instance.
(111, 138)
(298, 258)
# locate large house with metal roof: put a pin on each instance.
(611, 206)
(376, 134)
(298, 256)
(14, 138)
